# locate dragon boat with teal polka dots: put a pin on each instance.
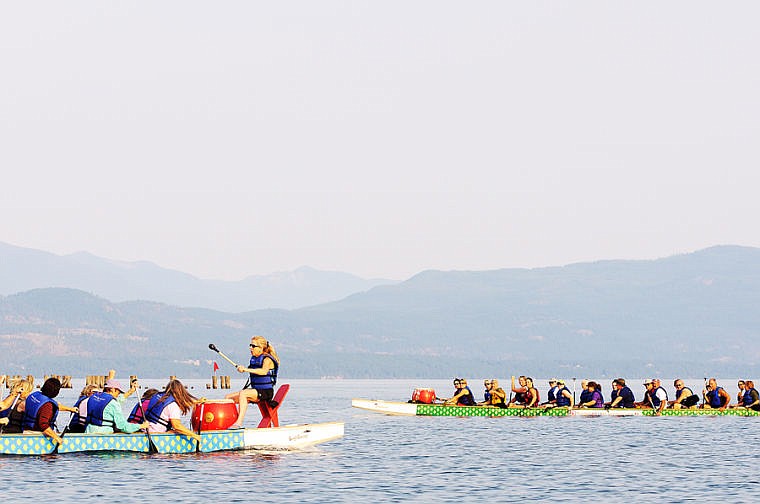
(417, 409)
(289, 437)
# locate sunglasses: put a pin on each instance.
(254, 346)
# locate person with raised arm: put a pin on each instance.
(263, 368)
(518, 399)
(104, 413)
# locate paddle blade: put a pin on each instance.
(213, 347)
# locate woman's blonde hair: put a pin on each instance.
(266, 347)
(21, 386)
(88, 390)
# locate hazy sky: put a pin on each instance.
(379, 138)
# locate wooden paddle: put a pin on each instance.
(213, 347)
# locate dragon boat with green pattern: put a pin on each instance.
(288, 437)
(418, 409)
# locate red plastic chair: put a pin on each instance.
(269, 416)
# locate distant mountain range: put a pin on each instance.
(23, 269)
(693, 315)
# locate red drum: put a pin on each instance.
(216, 415)
(423, 395)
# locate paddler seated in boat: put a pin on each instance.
(551, 395)
(165, 410)
(751, 398)
(12, 407)
(685, 397)
(463, 395)
(622, 397)
(78, 422)
(457, 391)
(530, 396)
(41, 410)
(657, 396)
(644, 403)
(519, 391)
(594, 397)
(137, 411)
(741, 384)
(585, 394)
(262, 368)
(715, 397)
(564, 396)
(497, 395)
(104, 414)
(486, 393)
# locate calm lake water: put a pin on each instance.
(392, 459)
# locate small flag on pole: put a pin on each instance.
(216, 366)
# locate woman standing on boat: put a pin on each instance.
(262, 368)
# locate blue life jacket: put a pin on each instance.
(714, 398)
(268, 380)
(487, 396)
(77, 419)
(552, 394)
(156, 407)
(95, 406)
(656, 401)
(468, 399)
(627, 398)
(747, 398)
(585, 396)
(613, 394)
(34, 402)
(561, 399)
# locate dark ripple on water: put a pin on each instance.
(387, 459)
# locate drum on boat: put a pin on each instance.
(423, 395)
(216, 415)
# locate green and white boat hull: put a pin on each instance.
(411, 409)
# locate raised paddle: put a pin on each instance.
(213, 347)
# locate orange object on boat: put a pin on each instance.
(214, 415)
(423, 395)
